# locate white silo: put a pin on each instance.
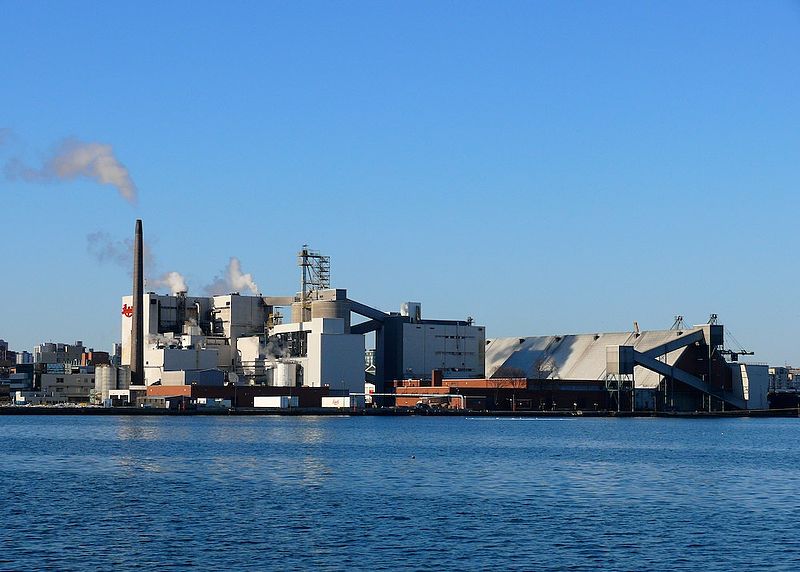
(285, 374)
(105, 379)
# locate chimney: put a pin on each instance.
(137, 326)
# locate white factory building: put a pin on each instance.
(334, 357)
(244, 340)
(241, 339)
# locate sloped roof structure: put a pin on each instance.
(577, 356)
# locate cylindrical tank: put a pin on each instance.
(123, 377)
(297, 313)
(332, 309)
(105, 379)
(285, 374)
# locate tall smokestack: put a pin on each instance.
(137, 327)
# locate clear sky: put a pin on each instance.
(545, 167)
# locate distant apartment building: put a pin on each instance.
(794, 378)
(59, 353)
(116, 354)
(24, 358)
(68, 387)
(779, 378)
(94, 358)
(7, 356)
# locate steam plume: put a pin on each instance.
(172, 280)
(105, 249)
(233, 280)
(120, 252)
(74, 159)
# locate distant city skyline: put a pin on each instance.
(544, 168)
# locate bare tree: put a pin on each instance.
(508, 372)
(509, 378)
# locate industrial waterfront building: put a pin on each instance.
(241, 335)
(237, 348)
(69, 387)
(681, 369)
(243, 340)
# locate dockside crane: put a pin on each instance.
(734, 354)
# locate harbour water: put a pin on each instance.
(375, 493)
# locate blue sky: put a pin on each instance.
(546, 167)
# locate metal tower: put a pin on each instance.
(316, 274)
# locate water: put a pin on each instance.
(220, 493)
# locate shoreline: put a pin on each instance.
(384, 412)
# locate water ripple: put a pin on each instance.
(386, 493)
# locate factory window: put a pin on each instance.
(59, 380)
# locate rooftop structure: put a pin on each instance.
(684, 368)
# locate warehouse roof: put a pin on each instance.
(576, 356)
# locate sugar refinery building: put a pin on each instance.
(241, 338)
(199, 342)
(685, 368)
(238, 340)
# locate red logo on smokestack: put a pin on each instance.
(127, 311)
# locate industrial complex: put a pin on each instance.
(308, 350)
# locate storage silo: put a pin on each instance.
(284, 374)
(332, 309)
(105, 379)
(298, 315)
(123, 377)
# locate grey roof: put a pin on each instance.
(577, 356)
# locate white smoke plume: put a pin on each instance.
(172, 280)
(274, 349)
(74, 159)
(232, 280)
(120, 252)
(163, 340)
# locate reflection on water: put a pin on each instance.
(389, 493)
(311, 435)
(137, 429)
(131, 466)
(314, 471)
